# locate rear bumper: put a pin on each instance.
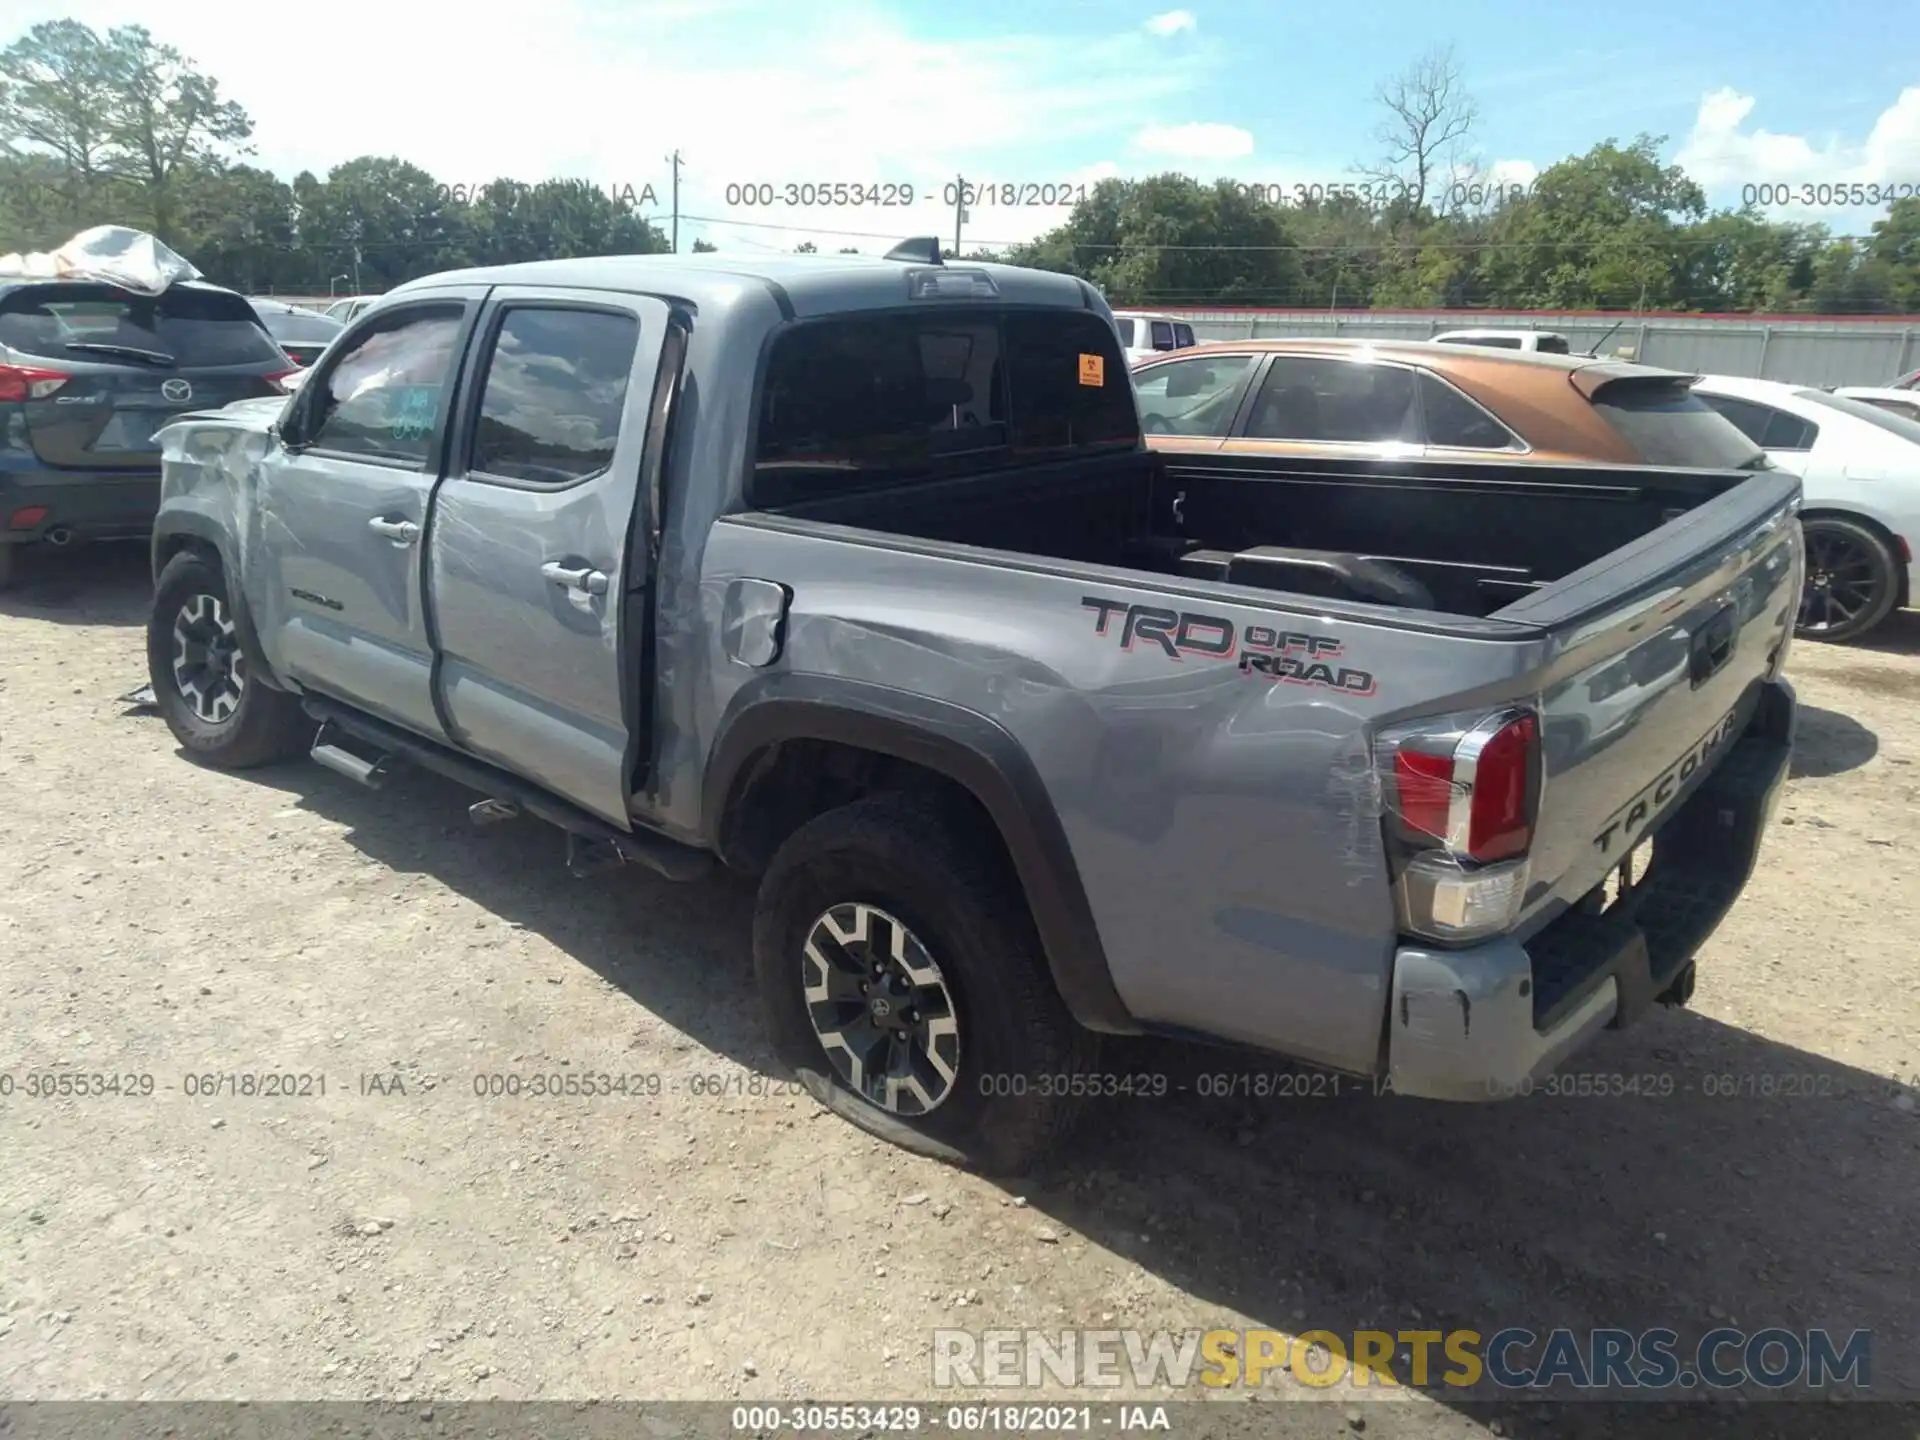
(109, 505)
(1482, 1023)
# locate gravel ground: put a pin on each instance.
(402, 1236)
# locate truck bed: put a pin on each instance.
(1471, 537)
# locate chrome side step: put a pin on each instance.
(336, 757)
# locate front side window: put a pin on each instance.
(1182, 335)
(1309, 398)
(555, 390)
(877, 400)
(1162, 335)
(382, 399)
(1191, 397)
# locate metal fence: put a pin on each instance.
(1806, 350)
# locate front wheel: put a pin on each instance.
(901, 980)
(1852, 580)
(217, 711)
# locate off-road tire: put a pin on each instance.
(1020, 1052)
(265, 726)
(1867, 559)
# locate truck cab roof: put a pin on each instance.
(803, 285)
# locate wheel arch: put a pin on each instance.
(936, 737)
(1898, 545)
(179, 532)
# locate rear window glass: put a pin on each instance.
(1553, 345)
(1492, 342)
(1667, 424)
(182, 328)
(1125, 327)
(878, 400)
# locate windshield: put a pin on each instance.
(1667, 424)
(1860, 410)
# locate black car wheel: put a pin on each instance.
(201, 676)
(902, 982)
(1852, 580)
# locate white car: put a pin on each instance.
(1859, 467)
(347, 308)
(1547, 342)
(1904, 403)
(1144, 335)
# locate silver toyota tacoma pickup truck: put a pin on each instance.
(854, 573)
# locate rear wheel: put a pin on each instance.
(1852, 580)
(902, 982)
(215, 708)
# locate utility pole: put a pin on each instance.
(959, 210)
(674, 160)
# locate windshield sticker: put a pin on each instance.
(1093, 370)
(1294, 656)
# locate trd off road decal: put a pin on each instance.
(1289, 655)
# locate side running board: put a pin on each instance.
(593, 845)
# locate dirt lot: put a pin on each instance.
(402, 1236)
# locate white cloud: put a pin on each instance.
(746, 90)
(1172, 22)
(1726, 155)
(1201, 140)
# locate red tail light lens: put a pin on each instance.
(1472, 791)
(1501, 780)
(29, 382)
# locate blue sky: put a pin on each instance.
(863, 91)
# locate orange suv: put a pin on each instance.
(1401, 398)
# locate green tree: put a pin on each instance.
(1598, 231)
(59, 93)
(166, 121)
(704, 247)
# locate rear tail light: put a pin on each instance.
(29, 382)
(26, 517)
(1462, 795)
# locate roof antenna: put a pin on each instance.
(1594, 353)
(921, 249)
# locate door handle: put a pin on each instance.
(586, 580)
(401, 532)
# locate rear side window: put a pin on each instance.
(1162, 335)
(1125, 327)
(878, 400)
(1667, 424)
(1338, 401)
(555, 389)
(1553, 345)
(180, 329)
(1491, 342)
(1454, 420)
(1182, 335)
(382, 400)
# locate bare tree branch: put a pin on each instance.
(1429, 119)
